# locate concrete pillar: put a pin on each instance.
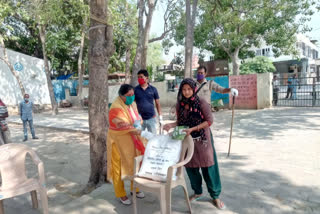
(264, 90)
(304, 72)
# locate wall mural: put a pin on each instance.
(18, 66)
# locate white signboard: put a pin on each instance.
(169, 77)
(161, 153)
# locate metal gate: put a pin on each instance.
(291, 90)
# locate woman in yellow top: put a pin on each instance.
(123, 142)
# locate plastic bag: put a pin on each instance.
(161, 152)
(3, 112)
(137, 124)
(3, 126)
(178, 133)
(147, 135)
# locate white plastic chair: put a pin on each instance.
(163, 189)
(14, 179)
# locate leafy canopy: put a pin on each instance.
(259, 64)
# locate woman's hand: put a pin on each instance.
(167, 127)
(122, 124)
(136, 132)
(188, 131)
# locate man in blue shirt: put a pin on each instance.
(293, 82)
(25, 109)
(146, 95)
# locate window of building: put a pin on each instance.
(313, 54)
(268, 52)
(264, 52)
(303, 49)
(258, 52)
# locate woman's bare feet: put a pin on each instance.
(195, 197)
(219, 204)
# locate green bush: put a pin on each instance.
(259, 64)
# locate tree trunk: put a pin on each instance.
(6, 60)
(139, 51)
(128, 60)
(80, 83)
(151, 6)
(100, 50)
(190, 22)
(188, 42)
(54, 106)
(80, 60)
(235, 62)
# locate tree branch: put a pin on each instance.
(227, 50)
(4, 60)
(2, 45)
(194, 11)
(7, 62)
(242, 45)
(145, 12)
(165, 18)
(167, 12)
(160, 37)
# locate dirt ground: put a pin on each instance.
(274, 167)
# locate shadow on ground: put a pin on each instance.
(264, 124)
(245, 190)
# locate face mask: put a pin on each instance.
(26, 99)
(141, 81)
(129, 99)
(200, 76)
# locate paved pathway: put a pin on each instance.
(72, 119)
(274, 166)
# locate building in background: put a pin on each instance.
(305, 64)
(32, 75)
(218, 67)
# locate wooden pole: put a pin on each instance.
(233, 98)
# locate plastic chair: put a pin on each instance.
(14, 179)
(163, 189)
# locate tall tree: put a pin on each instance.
(100, 50)
(21, 35)
(53, 101)
(191, 11)
(170, 17)
(81, 66)
(124, 19)
(128, 65)
(149, 14)
(66, 37)
(236, 25)
(5, 58)
(130, 40)
(80, 60)
(139, 50)
(46, 13)
(63, 34)
(5, 11)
